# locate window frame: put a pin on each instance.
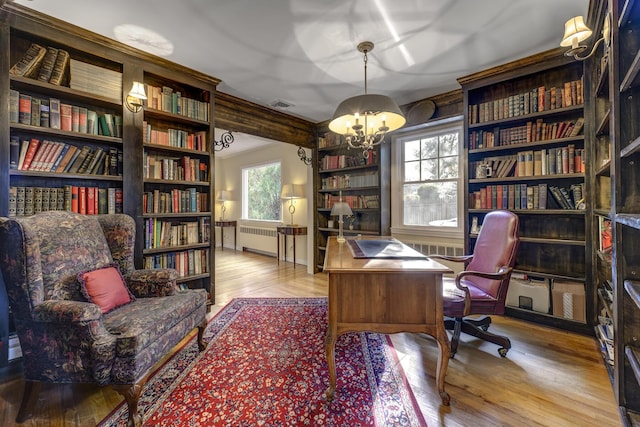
(245, 192)
(397, 178)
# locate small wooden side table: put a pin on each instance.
(289, 230)
(222, 225)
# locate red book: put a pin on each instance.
(74, 199)
(91, 200)
(66, 113)
(43, 150)
(31, 152)
(82, 200)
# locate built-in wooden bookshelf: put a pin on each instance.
(524, 140)
(119, 169)
(625, 203)
(176, 164)
(363, 183)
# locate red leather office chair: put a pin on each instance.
(481, 289)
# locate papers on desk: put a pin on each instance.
(382, 249)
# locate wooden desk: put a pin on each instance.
(289, 230)
(385, 296)
(222, 225)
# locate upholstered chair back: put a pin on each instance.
(496, 246)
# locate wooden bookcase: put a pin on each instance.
(625, 203)
(516, 140)
(177, 165)
(599, 95)
(364, 183)
(19, 28)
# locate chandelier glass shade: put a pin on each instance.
(364, 120)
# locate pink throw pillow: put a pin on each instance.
(105, 287)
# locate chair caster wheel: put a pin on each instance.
(503, 351)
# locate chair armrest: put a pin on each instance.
(502, 273)
(63, 311)
(463, 258)
(158, 282)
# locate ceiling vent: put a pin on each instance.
(280, 104)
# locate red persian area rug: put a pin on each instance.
(265, 366)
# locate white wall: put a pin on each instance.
(228, 176)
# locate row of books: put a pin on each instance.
(329, 139)
(350, 181)
(174, 169)
(605, 335)
(25, 201)
(523, 196)
(187, 263)
(342, 161)
(94, 79)
(60, 157)
(530, 132)
(54, 114)
(166, 99)
(175, 138)
(552, 161)
(175, 201)
(371, 201)
(46, 64)
(163, 234)
(536, 100)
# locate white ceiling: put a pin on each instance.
(303, 52)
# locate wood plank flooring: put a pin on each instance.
(549, 378)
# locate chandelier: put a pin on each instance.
(364, 120)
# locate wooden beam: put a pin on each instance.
(236, 114)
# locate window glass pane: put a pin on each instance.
(412, 150)
(429, 169)
(263, 192)
(448, 167)
(412, 171)
(449, 144)
(430, 148)
(434, 204)
(431, 185)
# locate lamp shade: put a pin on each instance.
(292, 191)
(341, 208)
(224, 196)
(377, 108)
(137, 91)
(575, 29)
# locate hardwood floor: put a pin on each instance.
(549, 378)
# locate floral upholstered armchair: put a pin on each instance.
(82, 312)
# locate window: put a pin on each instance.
(430, 178)
(261, 187)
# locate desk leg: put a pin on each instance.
(235, 237)
(330, 347)
(222, 238)
(443, 362)
(278, 245)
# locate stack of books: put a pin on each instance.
(97, 80)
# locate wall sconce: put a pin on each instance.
(135, 97)
(303, 156)
(226, 139)
(341, 209)
(575, 31)
(223, 196)
(292, 192)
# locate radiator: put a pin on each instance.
(436, 249)
(258, 231)
(258, 239)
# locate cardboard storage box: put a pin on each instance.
(569, 300)
(528, 293)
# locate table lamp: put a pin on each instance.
(292, 192)
(223, 196)
(340, 209)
